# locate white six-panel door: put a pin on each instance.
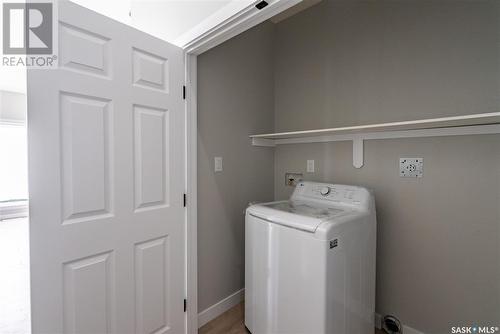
(106, 172)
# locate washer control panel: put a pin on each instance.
(333, 193)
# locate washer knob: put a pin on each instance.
(325, 191)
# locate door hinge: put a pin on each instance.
(185, 200)
(184, 92)
(185, 305)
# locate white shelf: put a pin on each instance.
(443, 122)
(475, 124)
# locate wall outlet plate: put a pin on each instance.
(292, 179)
(411, 167)
(218, 164)
(310, 166)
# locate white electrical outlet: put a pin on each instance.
(310, 166)
(218, 164)
(411, 167)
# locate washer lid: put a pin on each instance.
(301, 215)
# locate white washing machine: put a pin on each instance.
(310, 262)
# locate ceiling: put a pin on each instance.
(176, 21)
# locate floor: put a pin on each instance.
(14, 277)
(231, 322)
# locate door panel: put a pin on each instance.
(88, 295)
(152, 288)
(106, 170)
(84, 51)
(86, 156)
(151, 157)
(150, 70)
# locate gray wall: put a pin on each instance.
(342, 63)
(235, 99)
(354, 62)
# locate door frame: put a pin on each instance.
(236, 24)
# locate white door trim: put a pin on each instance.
(236, 24)
(192, 195)
(244, 20)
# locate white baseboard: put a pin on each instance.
(378, 321)
(406, 329)
(217, 309)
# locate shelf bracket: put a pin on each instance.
(263, 142)
(357, 152)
